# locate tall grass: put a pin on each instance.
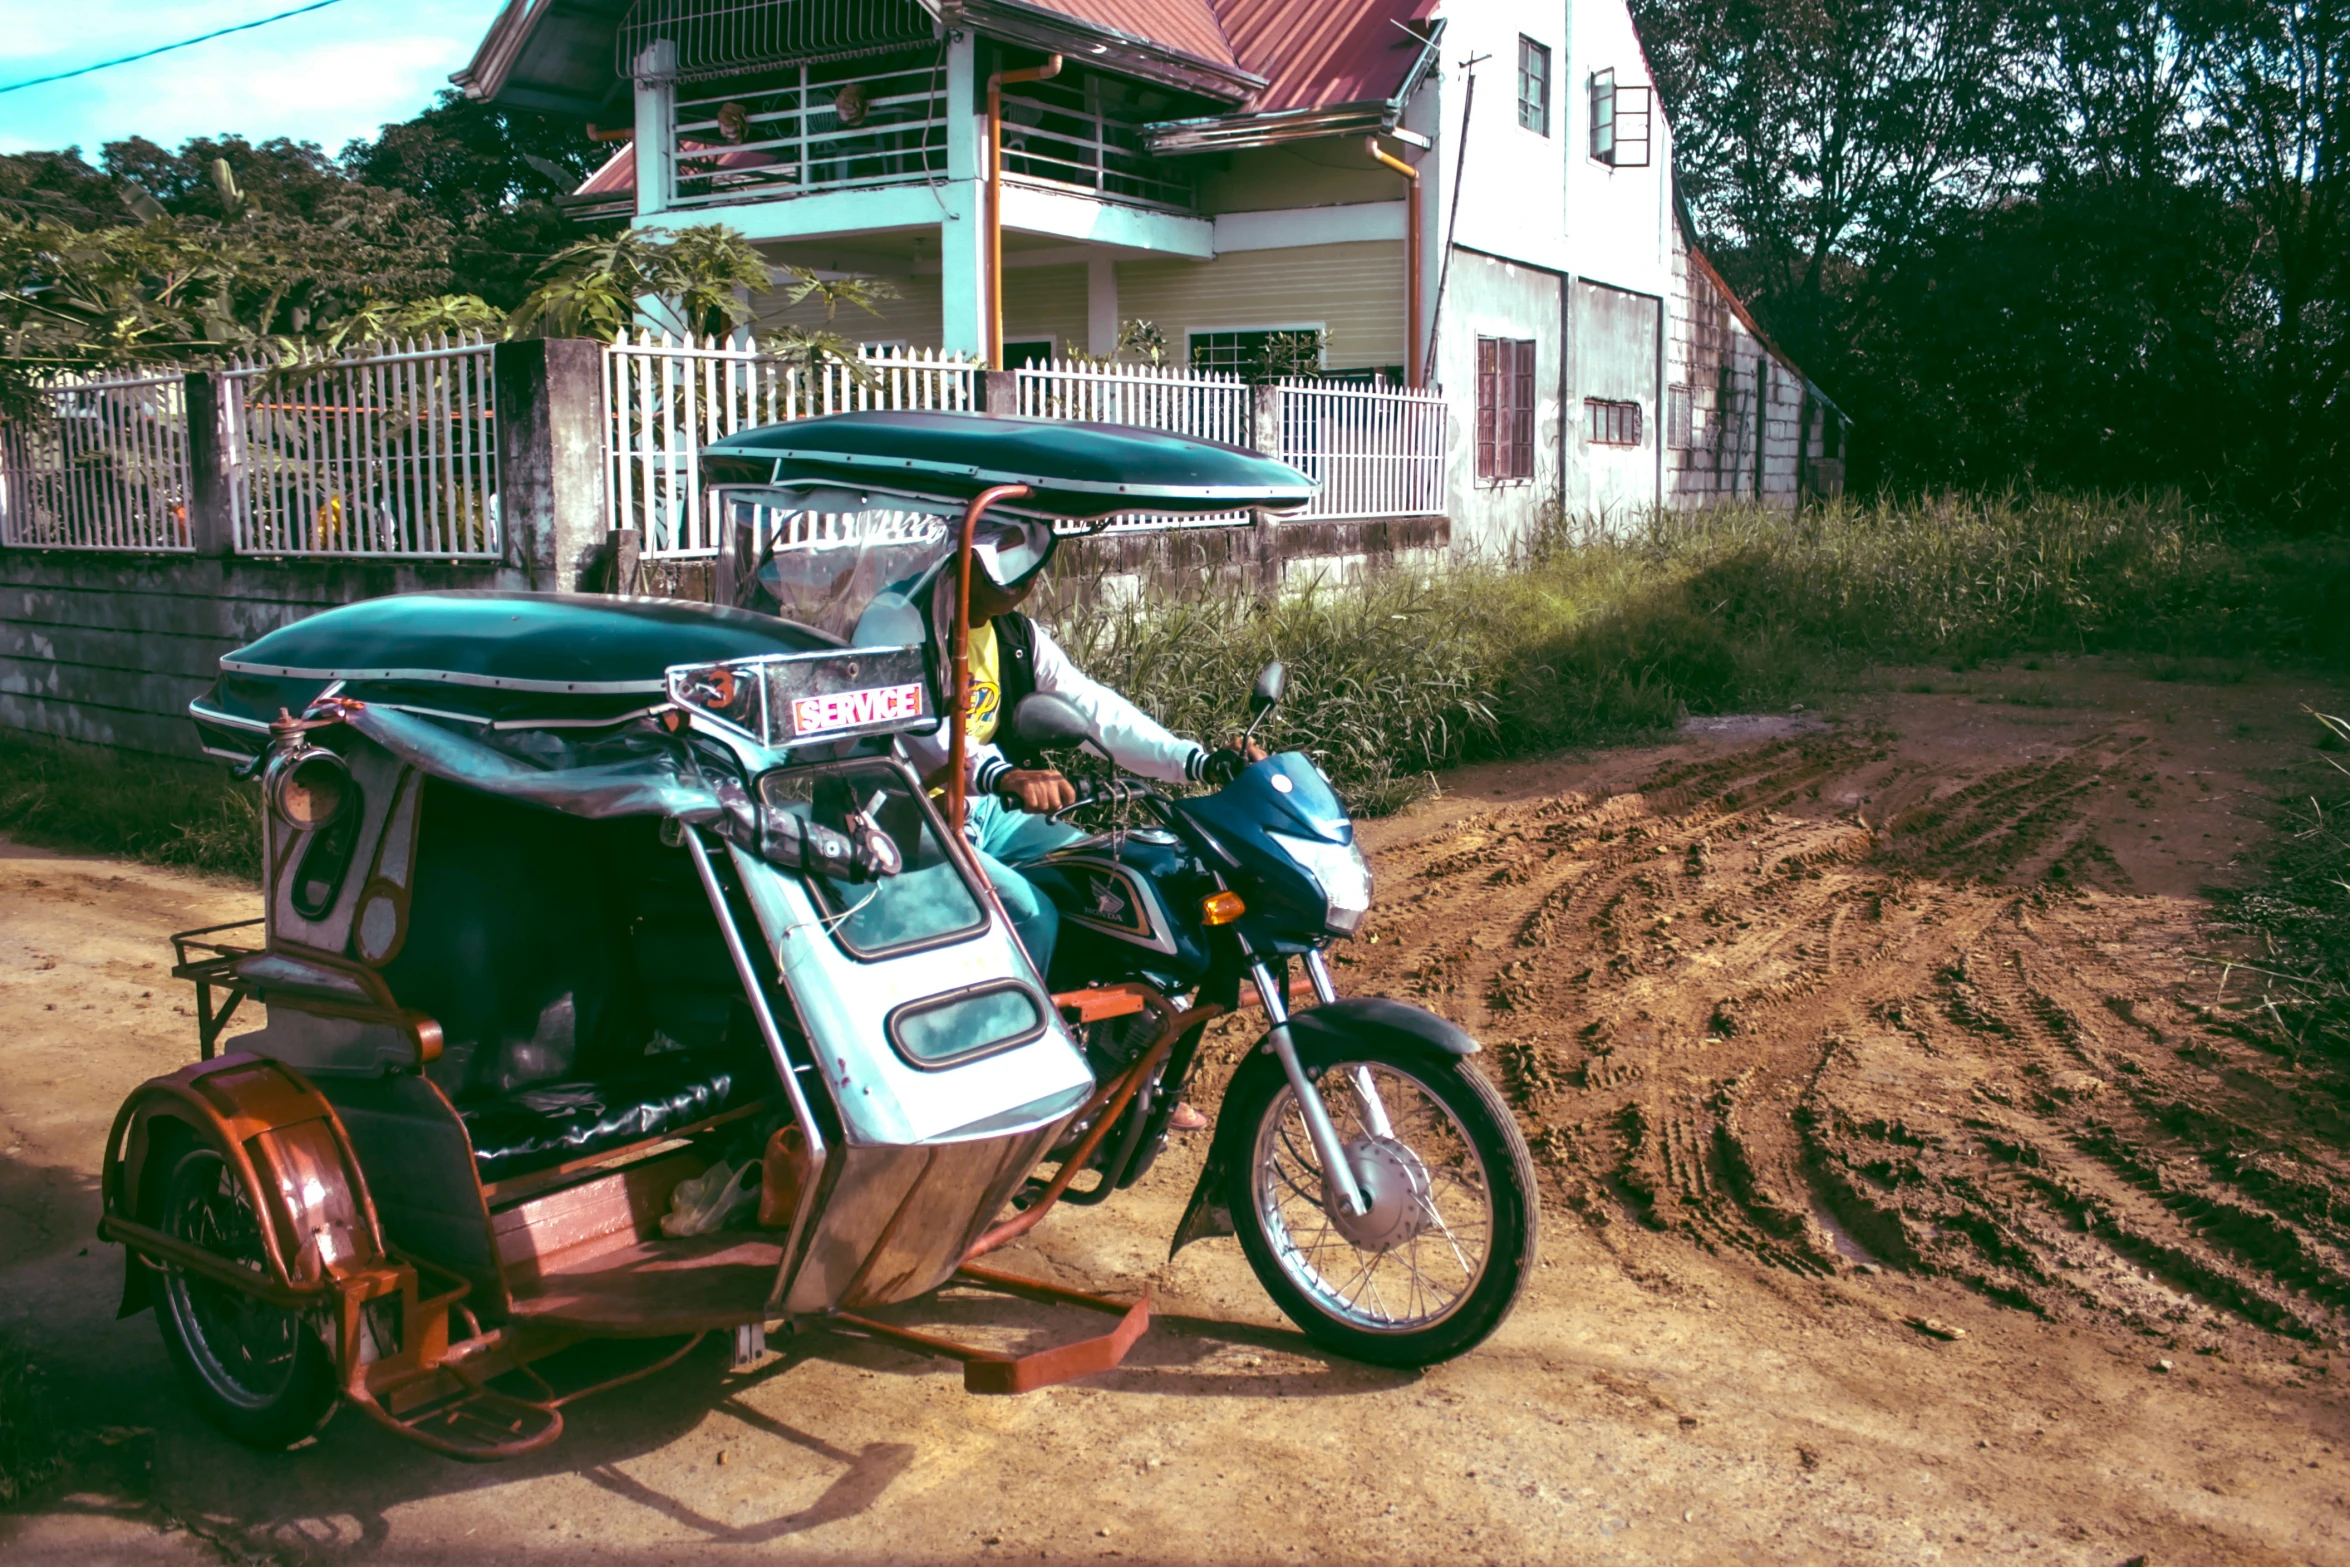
(2302, 910)
(1590, 635)
(156, 809)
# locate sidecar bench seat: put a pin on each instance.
(547, 1124)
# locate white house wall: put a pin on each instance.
(1489, 297)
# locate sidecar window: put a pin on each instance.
(928, 903)
(964, 1025)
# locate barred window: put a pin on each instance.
(1613, 423)
(1680, 418)
(1533, 86)
(1505, 410)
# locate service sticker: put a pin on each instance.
(813, 715)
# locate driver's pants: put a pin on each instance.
(1008, 838)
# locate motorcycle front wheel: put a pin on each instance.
(1437, 1263)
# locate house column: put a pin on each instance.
(962, 233)
(1101, 306)
(656, 127)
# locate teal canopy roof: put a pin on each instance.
(1077, 471)
(500, 657)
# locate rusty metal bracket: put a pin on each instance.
(989, 1371)
(217, 967)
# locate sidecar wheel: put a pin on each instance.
(1438, 1262)
(260, 1372)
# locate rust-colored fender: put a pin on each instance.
(286, 1144)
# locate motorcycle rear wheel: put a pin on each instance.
(1439, 1262)
(261, 1372)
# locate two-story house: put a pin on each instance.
(1469, 194)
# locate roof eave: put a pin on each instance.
(486, 73)
(1085, 42)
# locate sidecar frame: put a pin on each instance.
(351, 1093)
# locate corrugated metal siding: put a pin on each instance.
(1356, 292)
(1045, 302)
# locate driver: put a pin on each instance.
(1012, 791)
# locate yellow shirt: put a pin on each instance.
(987, 689)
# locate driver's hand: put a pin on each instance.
(1249, 750)
(1041, 790)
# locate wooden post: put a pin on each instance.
(551, 459)
(212, 526)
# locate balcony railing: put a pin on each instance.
(882, 120)
(812, 127)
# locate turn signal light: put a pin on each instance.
(1221, 908)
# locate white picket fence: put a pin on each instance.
(1376, 451)
(394, 452)
(390, 454)
(106, 468)
(669, 396)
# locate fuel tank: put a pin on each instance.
(1129, 909)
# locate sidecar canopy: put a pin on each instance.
(497, 659)
(1077, 472)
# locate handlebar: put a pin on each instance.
(1119, 791)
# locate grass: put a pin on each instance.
(2301, 910)
(156, 809)
(1585, 637)
(1589, 637)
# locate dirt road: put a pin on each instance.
(1914, 1192)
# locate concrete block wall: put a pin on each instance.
(109, 649)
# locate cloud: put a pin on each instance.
(325, 77)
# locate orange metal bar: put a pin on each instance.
(959, 711)
(989, 1371)
(1414, 371)
(995, 199)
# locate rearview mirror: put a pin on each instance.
(1045, 719)
(1272, 682)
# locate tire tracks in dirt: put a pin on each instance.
(1952, 1040)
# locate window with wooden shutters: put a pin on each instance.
(1505, 410)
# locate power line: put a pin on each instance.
(144, 54)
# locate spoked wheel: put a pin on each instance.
(260, 1371)
(1438, 1261)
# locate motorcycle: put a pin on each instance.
(624, 981)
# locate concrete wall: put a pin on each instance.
(1616, 336)
(109, 649)
(1756, 428)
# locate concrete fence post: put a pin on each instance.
(552, 431)
(999, 393)
(212, 520)
(1266, 426)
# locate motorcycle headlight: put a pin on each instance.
(1344, 874)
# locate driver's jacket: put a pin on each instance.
(1133, 738)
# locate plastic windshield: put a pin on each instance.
(822, 557)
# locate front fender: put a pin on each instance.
(1321, 1034)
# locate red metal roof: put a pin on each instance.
(1187, 25)
(1315, 53)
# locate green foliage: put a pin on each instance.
(2098, 243)
(165, 812)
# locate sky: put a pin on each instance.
(326, 77)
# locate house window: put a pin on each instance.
(1533, 86)
(1619, 122)
(1680, 418)
(1613, 423)
(1505, 410)
(1259, 355)
(1028, 355)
